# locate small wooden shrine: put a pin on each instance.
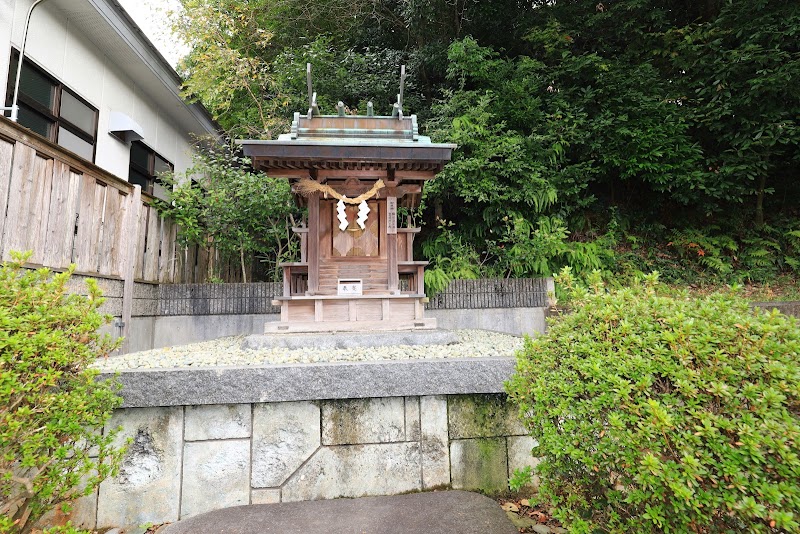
(356, 268)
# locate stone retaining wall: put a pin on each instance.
(186, 460)
(202, 439)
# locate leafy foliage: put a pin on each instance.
(220, 203)
(520, 478)
(680, 119)
(662, 413)
(740, 73)
(52, 408)
(452, 260)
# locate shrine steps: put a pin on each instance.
(277, 327)
(319, 313)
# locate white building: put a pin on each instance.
(93, 83)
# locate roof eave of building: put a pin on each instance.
(132, 34)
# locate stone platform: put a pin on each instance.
(349, 340)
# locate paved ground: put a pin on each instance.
(442, 512)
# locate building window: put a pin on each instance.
(52, 110)
(145, 168)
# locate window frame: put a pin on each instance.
(53, 114)
(150, 173)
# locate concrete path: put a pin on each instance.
(441, 512)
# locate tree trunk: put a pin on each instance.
(760, 201)
(711, 9)
(241, 258)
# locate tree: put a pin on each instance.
(544, 137)
(579, 114)
(739, 72)
(219, 203)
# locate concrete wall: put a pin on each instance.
(157, 332)
(186, 460)
(787, 308)
(178, 314)
(517, 321)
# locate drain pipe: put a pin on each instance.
(14, 103)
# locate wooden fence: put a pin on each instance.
(493, 293)
(256, 298)
(66, 210)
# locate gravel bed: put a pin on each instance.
(227, 351)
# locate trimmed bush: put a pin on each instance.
(665, 414)
(51, 407)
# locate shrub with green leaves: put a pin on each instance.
(662, 413)
(51, 406)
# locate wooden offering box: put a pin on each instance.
(356, 270)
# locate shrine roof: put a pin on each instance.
(319, 140)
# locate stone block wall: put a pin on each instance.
(186, 460)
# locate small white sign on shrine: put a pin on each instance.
(349, 287)
(391, 215)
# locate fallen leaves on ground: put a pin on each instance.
(527, 513)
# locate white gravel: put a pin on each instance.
(227, 351)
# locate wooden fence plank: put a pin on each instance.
(110, 258)
(73, 205)
(190, 274)
(18, 197)
(105, 237)
(83, 245)
(121, 209)
(201, 271)
(152, 247)
(167, 262)
(128, 247)
(173, 252)
(180, 265)
(6, 158)
(61, 221)
(141, 237)
(163, 256)
(40, 208)
(99, 223)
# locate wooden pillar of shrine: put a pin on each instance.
(313, 244)
(391, 242)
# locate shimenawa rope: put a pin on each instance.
(306, 187)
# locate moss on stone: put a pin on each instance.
(481, 415)
(479, 464)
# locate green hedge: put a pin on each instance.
(665, 414)
(52, 409)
